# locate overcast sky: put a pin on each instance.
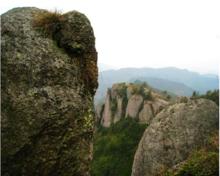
(141, 33)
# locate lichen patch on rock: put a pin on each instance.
(48, 83)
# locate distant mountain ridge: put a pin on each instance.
(166, 85)
(189, 80)
(104, 67)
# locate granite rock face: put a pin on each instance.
(134, 106)
(147, 113)
(173, 134)
(137, 101)
(119, 111)
(106, 118)
(48, 84)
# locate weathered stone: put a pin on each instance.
(99, 110)
(173, 134)
(131, 100)
(114, 90)
(47, 111)
(158, 105)
(129, 91)
(119, 111)
(147, 113)
(151, 109)
(134, 106)
(107, 114)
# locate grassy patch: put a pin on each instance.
(201, 163)
(204, 162)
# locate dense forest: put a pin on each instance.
(114, 148)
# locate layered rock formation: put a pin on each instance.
(174, 134)
(49, 77)
(137, 101)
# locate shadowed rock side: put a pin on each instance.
(48, 83)
(173, 135)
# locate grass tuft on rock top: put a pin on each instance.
(48, 22)
(114, 148)
(72, 32)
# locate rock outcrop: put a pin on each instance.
(49, 77)
(137, 101)
(119, 111)
(134, 106)
(147, 113)
(106, 117)
(174, 134)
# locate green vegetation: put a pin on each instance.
(204, 162)
(211, 95)
(201, 163)
(114, 148)
(147, 95)
(166, 94)
(142, 89)
(122, 90)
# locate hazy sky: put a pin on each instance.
(142, 33)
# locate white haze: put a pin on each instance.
(141, 33)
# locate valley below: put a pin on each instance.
(142, 131)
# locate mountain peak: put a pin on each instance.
(133, 100)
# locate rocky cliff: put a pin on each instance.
(137, 101)
(174, 134)
(49, 77)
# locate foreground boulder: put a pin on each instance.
(49, 77)
(173, 135)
